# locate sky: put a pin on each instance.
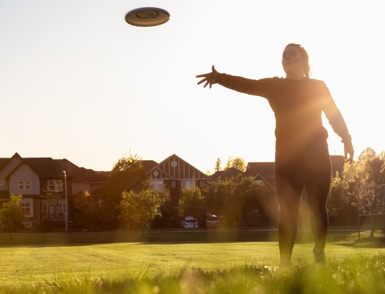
(78, 82)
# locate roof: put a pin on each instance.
(174, 167)
(267, 169)
(3, 162)
(148, 164)
(226, 174)
(48, 168)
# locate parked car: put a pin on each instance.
(212, 220)
(189, 222)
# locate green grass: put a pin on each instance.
(127, 263)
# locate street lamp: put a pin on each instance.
(66, 201)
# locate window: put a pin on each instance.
(54, 212)
(187, 183)
(24, 185)
(157, 185)
(26, 205)
(55, 185)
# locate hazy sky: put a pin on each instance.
(78, 82)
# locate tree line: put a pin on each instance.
(128, 201)
(240, 201)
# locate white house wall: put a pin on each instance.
(24, 173)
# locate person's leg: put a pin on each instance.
(289, 195)
(317, 192)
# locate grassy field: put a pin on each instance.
(186, 262)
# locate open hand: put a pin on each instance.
(208, 78)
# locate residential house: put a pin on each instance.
(263, 172)
(174, 175)
(225, 174)
(45, 184)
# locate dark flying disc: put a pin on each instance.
(147, 16)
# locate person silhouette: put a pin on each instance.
(302, 160)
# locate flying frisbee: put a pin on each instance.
(147, 17)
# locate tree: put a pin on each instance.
(137, 208)
(12, 213)
(364, 177)
(127, 174)
(340, 201)
(192, 203)
(218, 165)
(236, 162)
(241, 200)
(86, 211)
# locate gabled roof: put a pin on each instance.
(88, 175)
(264, 180)
(225, 174)
(175, 167)
(48, 168)
(3, 162)
(264, 168)
(148, 164)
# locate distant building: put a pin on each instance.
(43, 182)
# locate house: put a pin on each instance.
(45, 183)
(225, 174)
(174, 175)
(262, 172)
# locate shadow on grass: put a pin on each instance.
(363, 239)
(122, 236)
(343, 238)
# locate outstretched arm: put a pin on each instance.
(236, 83)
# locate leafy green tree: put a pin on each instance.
(127, 174)
(236, 162)
(240, 200)
(11, 213)
(167, 218)
(218, 165)
(86, 210)
(364, 177)
(192, 203)
(138, 208)
(340, 202)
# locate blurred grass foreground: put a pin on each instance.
(108, 262)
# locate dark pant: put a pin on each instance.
(310, 171)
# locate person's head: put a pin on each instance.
(295, 61)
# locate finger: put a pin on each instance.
(201, 81)
(202, 75)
